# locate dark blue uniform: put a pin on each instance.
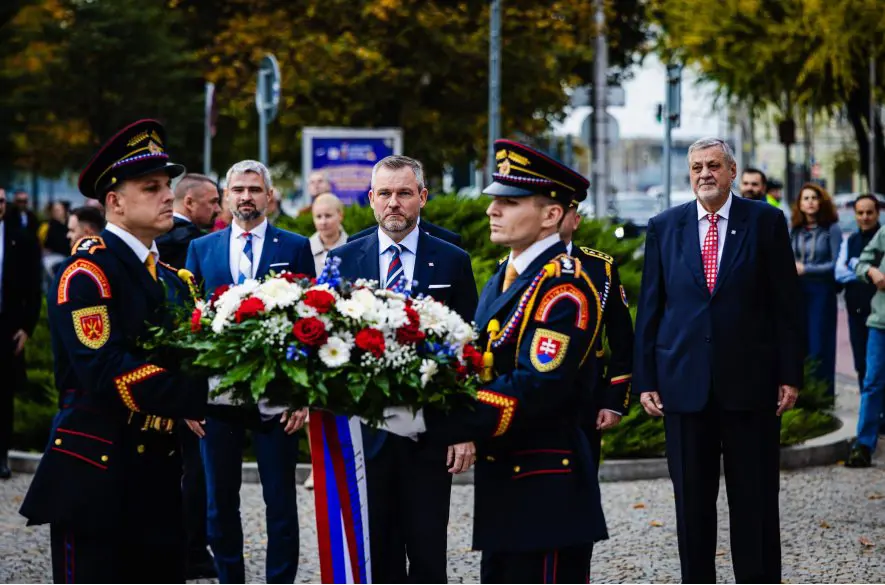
(109, 481)
(611, 390)
(537, 498)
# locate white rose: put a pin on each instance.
(276, 292)
(335, 353)
(428, 370)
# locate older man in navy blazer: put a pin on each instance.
(409, 484)
(719, 354)
(248, 249)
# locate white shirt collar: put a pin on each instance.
(532, 252)
(258, 231)
(722, 213)
(410, 242)
(141, 251)
(569, 247)
(180, 216)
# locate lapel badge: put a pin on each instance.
(733, 232)
(430, 263)
(275, 240)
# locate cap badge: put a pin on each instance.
(504, 167)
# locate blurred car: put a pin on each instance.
(633, 210)
(844, 203)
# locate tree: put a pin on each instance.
(784, 53)
(418, 64)
(79, 70)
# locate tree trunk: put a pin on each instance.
(858, 108)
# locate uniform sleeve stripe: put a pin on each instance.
(621, 379)
(505, 404)
(90, 269)
(125, 382)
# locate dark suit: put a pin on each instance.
(208, 258)
(173, 245)
(717, 360)
(109, 481)
(537, 506)
(432, 229)
(408, 483)
(173, 250)
(20, 300)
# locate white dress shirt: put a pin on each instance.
(181, 216)
(141, 251)
(529, 255)
(722, 225)
(409, 254)
(238, 243)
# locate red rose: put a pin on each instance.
(294, 277)
(321, 300)
(218, 292)
(310, 331)
(461, 370)
(473, 357)
(249, 308)
(371, 340)
(195, 320)
(410, 333)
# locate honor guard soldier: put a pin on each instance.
(609, 396)
(538, 509)
(109, 481)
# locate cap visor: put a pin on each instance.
(502, 190)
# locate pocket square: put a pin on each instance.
(279, 264)
(439, 286)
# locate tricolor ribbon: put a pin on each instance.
(339, 473)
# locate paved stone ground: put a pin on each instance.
(832, 527)
(832, 518)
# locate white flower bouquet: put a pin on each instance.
(350, 348)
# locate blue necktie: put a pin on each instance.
(245, 264)
(395, 269)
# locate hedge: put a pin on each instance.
(638, 435)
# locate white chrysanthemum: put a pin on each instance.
(278, 293)
(434, 316)
(461, 333)
(429, 368)
(335, 353)
(305, 311)
(395, 313)
(351, 308)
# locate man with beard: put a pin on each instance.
(194, 211)
(754, 184)
(409, 484)
(249, 249)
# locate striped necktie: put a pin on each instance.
(395, 270)
(245, 264)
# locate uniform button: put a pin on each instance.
(140, 448)
(516, 469)
(565, 462)
(707, 340)
(490, 459)
(58, 441)
(104, 458)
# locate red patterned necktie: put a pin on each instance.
(710, 251)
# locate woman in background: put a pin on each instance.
(328, 213)
(816, 239)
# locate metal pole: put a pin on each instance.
(668, 132)
(262, 120)
(871, 174)
(207, 130)
(494, 86)
(600, 82)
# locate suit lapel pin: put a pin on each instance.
(275, 240)
(430, 263)
(733, 232)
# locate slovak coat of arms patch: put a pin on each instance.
(548, 349)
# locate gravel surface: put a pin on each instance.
(832, 519)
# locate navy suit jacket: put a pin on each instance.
(734, 345)
(432, 229)
(208, 257)
(442, 271)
